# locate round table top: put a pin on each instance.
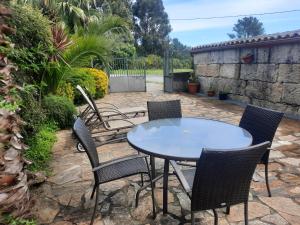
(184, 138)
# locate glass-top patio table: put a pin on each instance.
(184, 139)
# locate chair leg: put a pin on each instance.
(216, 217)
(267, 179)
(94, 189)
(142, 179)
(95, 207)
(246, 212)
(228, 210)
(193, 218)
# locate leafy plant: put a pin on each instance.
(32, 42)
(60, 110)
(101, 81)
(31, 110)
(66, 90)
(9, 220)
(80, 76)
(40, 145)
(193, 78)
(60, 41)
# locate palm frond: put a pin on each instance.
(86, 48)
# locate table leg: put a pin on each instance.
(152, 164)
(165, 186)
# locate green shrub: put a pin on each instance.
(32, 42)
(60, 110)
(10, 220)
(32, 27)
(154, 62)
(80, 76)
(101, 81)
(40, 146)
(31, 110)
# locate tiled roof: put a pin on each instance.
(288, 36)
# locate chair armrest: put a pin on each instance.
(180, 176)
(114, 161)
(117, 119)
(106, 103)
(114, 111)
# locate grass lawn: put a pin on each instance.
(148, 72)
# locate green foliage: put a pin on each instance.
(154, 62)
(151, 26)
(66, 90)
(9, 220)
(247, 27)
(60, 110)
(32, 27)
(101, 81)
(32, 42)
(54, 73)
(86, 48)
(182, 63)
(40, 146)
(31, 110)
(80, 76)
(179, 50)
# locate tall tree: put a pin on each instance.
(151, 26)
(180, 50)
(247, 27)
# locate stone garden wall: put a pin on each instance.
(272, 79)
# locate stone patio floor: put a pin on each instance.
(64, 197)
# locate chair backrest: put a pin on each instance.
(85, 138)
(95, 108)
(223, 177)
(85, 96)
(261, 123)
(164, 109)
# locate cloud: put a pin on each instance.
(207, 8)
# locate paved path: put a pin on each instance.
(64, 197)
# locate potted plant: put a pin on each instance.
(248, 58)
(211, 90)
(193, 84)
(223, 94)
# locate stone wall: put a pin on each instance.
(272, 79)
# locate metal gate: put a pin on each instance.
(127, 75)
(168, 69)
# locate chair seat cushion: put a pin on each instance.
(122, 168)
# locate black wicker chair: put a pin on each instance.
(221, 178)
(113, 169)
(162, 110)
(262, 124)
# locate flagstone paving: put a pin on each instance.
(64, 197)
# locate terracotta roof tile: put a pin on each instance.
(261, 39)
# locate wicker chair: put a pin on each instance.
(162, 110)
(110, 170)
(221, 178)
(262, 124)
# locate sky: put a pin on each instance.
(199, 32)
